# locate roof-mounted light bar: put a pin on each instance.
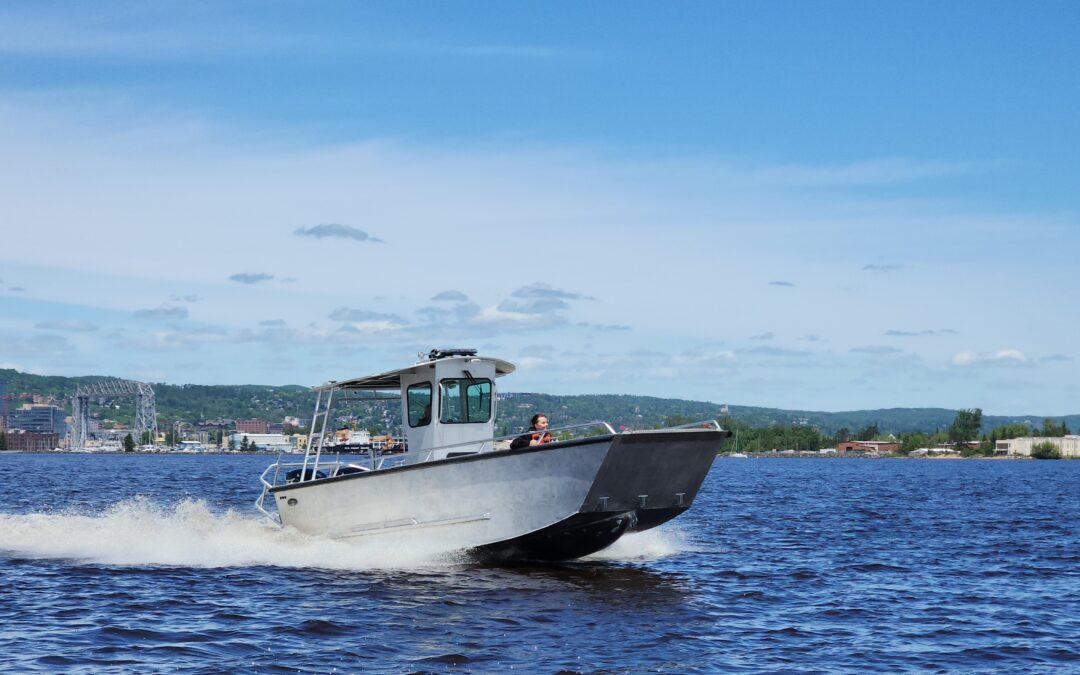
(436, 354)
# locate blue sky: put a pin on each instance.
(824, 206)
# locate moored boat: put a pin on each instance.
(458, 484)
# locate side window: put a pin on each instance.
(464, 401)
(419, 401)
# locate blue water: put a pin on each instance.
(149, 563)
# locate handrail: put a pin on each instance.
(259, 503)
(693, 425)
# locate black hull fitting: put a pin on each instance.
(579, 535)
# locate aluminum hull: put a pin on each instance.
(558, 501)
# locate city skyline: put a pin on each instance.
(805, 207)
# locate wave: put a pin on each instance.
(140, 532)
(654, 544)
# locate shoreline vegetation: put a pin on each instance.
(207, 413)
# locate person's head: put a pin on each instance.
(539, 421)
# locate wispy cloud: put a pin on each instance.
(768, 350)
(151, 32)
(174, 338)
(349, 315)
(450, 296)
(163, 312)
(785, 284)
(604, 328)
(250, 278)
(871, 172)
(921, 333)
(71, 326)
(1003, 357)
(546, 291)
(539, 298)
(1055, 358)
(882, 268)
(762, 336)
(39, 346)
(336, 231)
(876, 350)
(517, 51)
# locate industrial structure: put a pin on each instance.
(145, 408)
(1068, 446)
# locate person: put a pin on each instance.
(536, 434)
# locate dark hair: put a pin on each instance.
(535, 419)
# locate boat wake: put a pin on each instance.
(654, 544)
(140, 532)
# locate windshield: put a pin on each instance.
(464, 401)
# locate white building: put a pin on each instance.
(268, 442)
(1068, 445)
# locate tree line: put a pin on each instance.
(963, 434)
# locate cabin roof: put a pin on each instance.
(392, 379)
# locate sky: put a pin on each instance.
(818, 206)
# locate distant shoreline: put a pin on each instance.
(752, 455)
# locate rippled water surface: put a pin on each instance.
(148, 563)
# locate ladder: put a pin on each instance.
(318, 421)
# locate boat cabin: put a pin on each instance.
(447, 401)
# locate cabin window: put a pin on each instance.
(463, 401)
(418, 398)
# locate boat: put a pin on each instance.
(736, 454)
(460, 485)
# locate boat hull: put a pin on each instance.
(558, 501)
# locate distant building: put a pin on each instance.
(275, 428)
(215, 425)
(38, 418)
(868, 446)
(30, 441)
(1069, 446)
(253, 426)
(269, 442)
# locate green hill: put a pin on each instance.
(192, 403)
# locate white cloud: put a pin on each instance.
(163, 312)
(1002, 357)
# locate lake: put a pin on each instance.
(136, 563)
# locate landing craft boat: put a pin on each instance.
(461, 486)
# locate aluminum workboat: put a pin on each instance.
(459, 485)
